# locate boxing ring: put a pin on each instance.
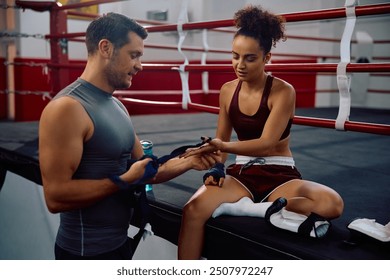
(351, 156)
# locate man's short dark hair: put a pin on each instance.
(113, 27)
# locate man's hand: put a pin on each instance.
(204, 161)
(137, 171)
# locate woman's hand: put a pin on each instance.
(211, 146)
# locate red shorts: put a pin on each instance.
(261, 180)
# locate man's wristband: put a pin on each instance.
(122, 185)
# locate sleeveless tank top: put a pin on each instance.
(103, 226)
(251, 127)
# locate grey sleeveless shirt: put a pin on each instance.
(103, 226)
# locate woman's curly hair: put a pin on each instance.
(266, 28)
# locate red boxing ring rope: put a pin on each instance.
(279, 67)
(382, 129)
(71, 37)
(293, 17)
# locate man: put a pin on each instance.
(86, 139)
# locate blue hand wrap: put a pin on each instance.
(122, 185)
(150, 170)
(152, 167)
(217, 172)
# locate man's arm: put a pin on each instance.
(177, 166)
(63, 128)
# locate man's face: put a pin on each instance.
(125, 63)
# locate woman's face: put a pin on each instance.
(248, 59)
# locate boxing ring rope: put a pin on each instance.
(327, 14)
(279, 67)
(71, 37)
(299, 120)
(274, 54)
(324, 14)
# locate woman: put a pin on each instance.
(260, 109)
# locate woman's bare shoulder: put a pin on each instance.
(280, 85)
(229, 86)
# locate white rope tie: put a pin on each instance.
(205, 74)
(344, 80)
(183, 18)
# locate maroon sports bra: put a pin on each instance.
(251, 127)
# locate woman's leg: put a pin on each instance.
(306, 197)
(244, 207)
(309, 208)
(199, 209)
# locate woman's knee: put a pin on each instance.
(337, 205)
(326, 200)
(330, 204)
(193, 212)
